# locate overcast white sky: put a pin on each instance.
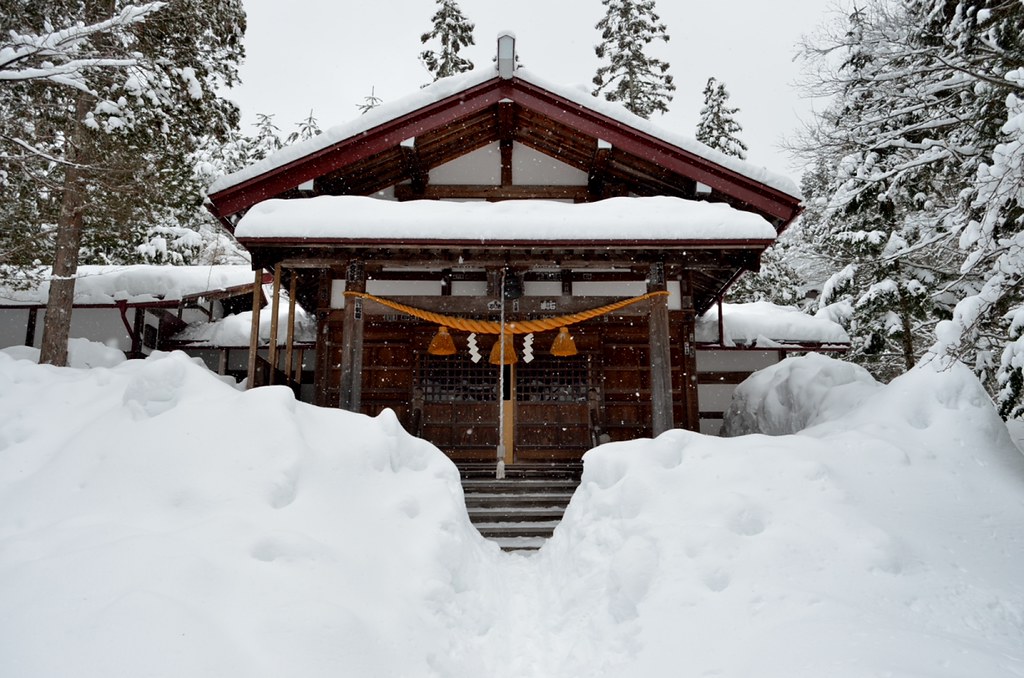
(326, 55)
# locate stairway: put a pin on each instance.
(521, 511)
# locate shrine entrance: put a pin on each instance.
(548, 407)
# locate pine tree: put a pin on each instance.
(640, 82)
(369, 102)
(454, 31)
(307, 128)
(113, 139)
(883, 227)
(919, 99)
(717, 127)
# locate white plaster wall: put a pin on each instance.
(734, 361)
(532, 167)
(96, 324)
(469, 288)
(593, 288)
(529, 167)
(542, 288)
(13, 323)
(404, 288)
(481, 167)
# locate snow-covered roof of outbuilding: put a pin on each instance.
(633, 220)
(762, 324)
(138, 284)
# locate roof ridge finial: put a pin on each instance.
(506, 54)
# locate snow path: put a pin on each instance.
(155, 521)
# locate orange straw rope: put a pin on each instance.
(516, 327)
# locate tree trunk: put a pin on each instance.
(57, 323)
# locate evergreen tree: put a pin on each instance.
(369, 103)
(113, 131)
(307, 128)
(919, 98)
(453, 31)
(640, 82)
(717, 127)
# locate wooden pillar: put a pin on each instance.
(254, 330)
(30, 329)
(322, 373)
(350, 397)
(691, 403)
(660, 354)
(275, 306)
(138, 329)
(289, 348)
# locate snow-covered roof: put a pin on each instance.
(139, 284)
(447, 87)
(614, 219)
(768, 325)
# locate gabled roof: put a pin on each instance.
(457, 115)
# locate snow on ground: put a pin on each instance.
(155, 520)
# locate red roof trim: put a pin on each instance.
(384, 136)
(761, 197)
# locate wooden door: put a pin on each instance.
(459, 406)
(553, 399)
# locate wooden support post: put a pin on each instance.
(660, 355)
(275, 306)
(350, 397)
(322, 373)
(30, 329)
(138, 331)
(691, 403)
(254, 330)
(290, 341)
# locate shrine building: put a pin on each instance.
(508, 264)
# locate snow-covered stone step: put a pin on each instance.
(516, 514)
(525, 544)
(540, 528)
(534, 499)
(519, 485)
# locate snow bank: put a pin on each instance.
(617, 219)
(796, 393)
(82, 354)
(886, 541)
(174, 526)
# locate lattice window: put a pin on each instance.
(457, 379)
(556, 380)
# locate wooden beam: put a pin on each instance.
(506, 135)
(290, 341)
(350, 396)
(413, 168)
(488, 192)
(254, 329)
(275, 306)
(598, 168)
(30, 328)
(322, 368)
(660, 354)
(691, 379)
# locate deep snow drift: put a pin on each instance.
(155, 521)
